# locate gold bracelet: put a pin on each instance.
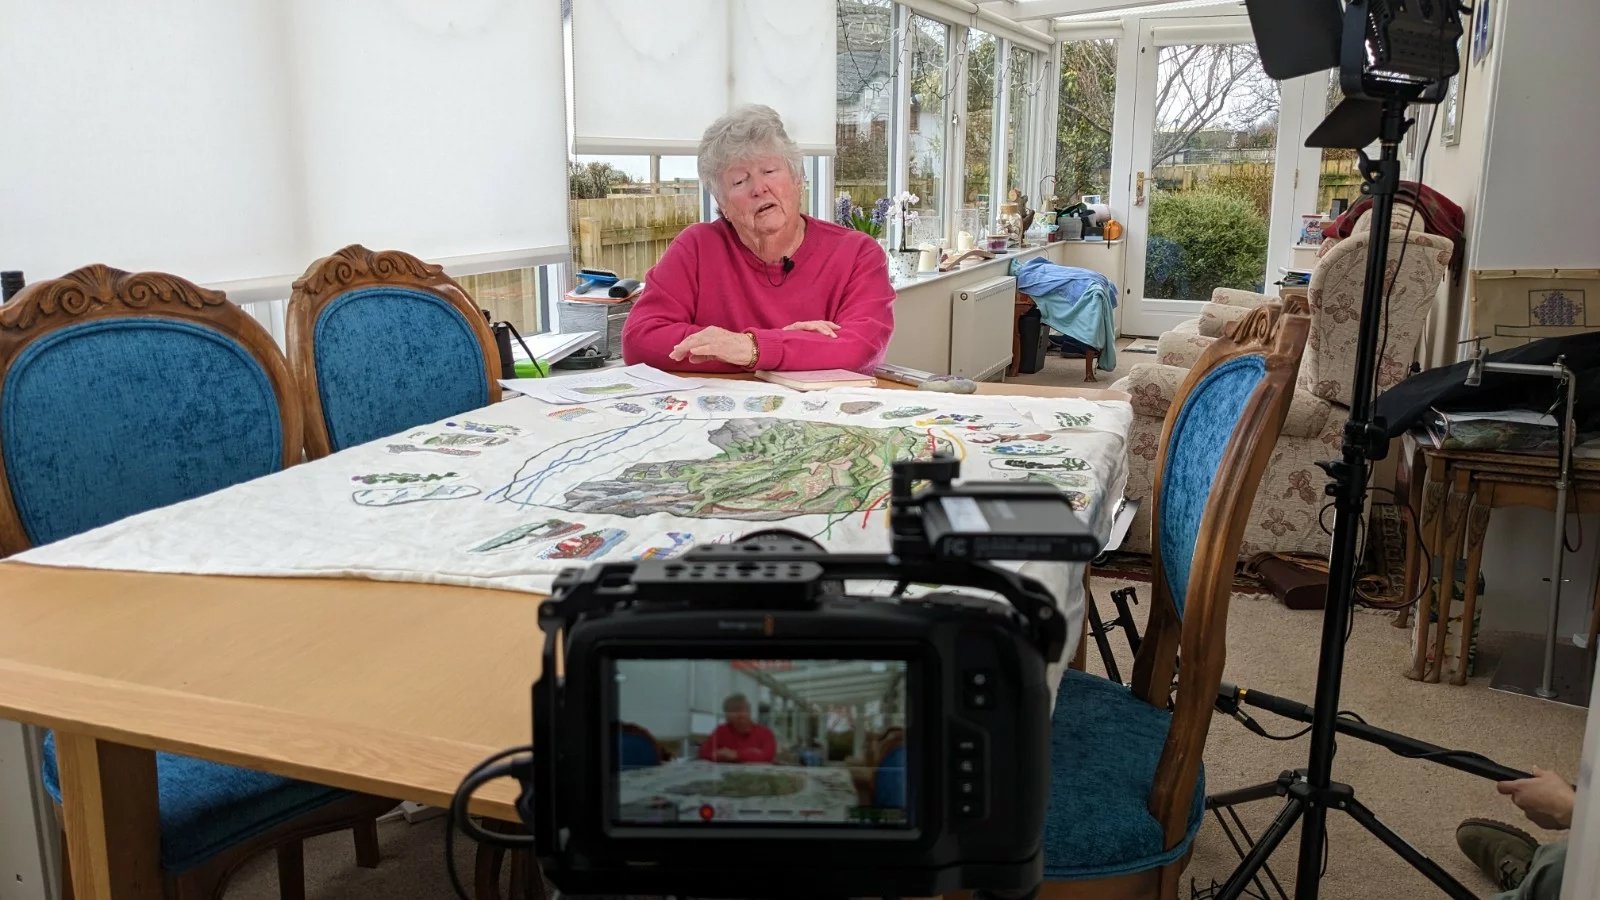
(755, 350)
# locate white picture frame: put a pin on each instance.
(1455, 97)
(1482, 29)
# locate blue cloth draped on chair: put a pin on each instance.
(1106, 742)
(1075, 302)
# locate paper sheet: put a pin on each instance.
(603, 384)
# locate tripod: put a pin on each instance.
(1312, 792)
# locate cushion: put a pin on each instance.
(116, 416)
(1200, 435)
(207, 807)
(389, 359)
(1105, 744)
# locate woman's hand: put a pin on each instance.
(1546, 798)
(820, 327)
(714, 343)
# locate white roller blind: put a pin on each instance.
(239, 141)
(648, 76)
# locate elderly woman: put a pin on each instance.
(764, 286)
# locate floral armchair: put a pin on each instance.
(1287, 507)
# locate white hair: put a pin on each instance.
(747, 132)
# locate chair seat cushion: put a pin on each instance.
(207, 807)
(1104, 747)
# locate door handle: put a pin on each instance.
(1138, 189)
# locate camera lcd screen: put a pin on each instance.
(761, 742)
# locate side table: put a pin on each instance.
(1452, 501)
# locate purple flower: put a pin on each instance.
(880, 210)
(841, 210)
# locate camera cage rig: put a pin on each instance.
(777, 570)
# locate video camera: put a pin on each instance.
(736, 723)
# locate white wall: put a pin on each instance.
(1457, 172)
(1539, 194)
(1524, 170)
(1516, 557)
(26, 851)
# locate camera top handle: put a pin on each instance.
(774, 571)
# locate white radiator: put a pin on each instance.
(981, 322)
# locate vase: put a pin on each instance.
(902, 263)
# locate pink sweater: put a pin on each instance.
(708, 277)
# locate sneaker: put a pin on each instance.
(1500, 851)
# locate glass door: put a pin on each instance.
(1208, 170)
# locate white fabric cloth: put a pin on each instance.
(508, 495)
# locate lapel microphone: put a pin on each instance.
(788, 265)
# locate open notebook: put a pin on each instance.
(819, 379)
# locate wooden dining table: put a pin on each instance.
(390, 688)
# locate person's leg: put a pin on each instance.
(1543, 881)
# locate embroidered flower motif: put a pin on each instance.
(1147, 400)
(1556, 308)
(1390, 371)
(1342, 310)
(1145, 447)
(1300, 484)
(1274, 522)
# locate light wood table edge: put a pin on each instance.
(985, 388)
(402, 766)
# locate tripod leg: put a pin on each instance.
(1097, 630)
(1270, 839)
(1239, 836)
(1414, 857)
(1125, 616)
(1245, 795)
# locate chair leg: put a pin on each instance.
(1090, 357)
(1477, 524)
(522, 870)
(366, 838)
(486, 872)
(66, 869)
(292, 870)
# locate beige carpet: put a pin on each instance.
(1062, 371)
(1270, 649)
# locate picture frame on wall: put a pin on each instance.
(1455, 98)
(1482, 29)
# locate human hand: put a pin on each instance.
(725, 754)
(819, 326)
(1546, 798)
(713, 343)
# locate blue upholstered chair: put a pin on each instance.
(124, 392)
(382, 342)
(636, 748)
(1127, 787)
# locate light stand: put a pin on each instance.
(1390, 53)
(1312, 791)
